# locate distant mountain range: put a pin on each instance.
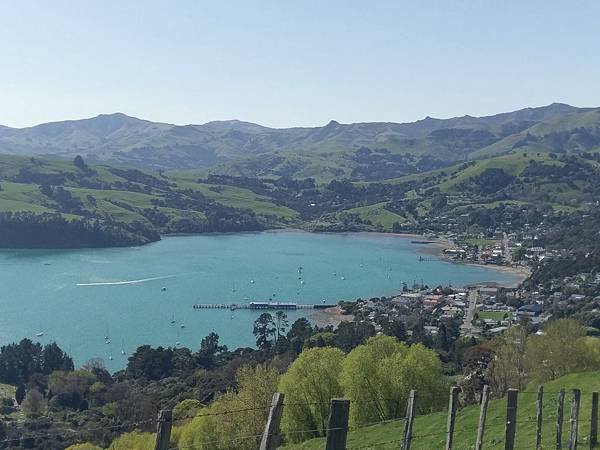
(360, 151)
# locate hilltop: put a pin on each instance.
(360, 151)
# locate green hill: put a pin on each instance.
(429, 430)
(194, 201)
(41, 192)
(360, 151)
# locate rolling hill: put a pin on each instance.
(146, 204)
(359, 151)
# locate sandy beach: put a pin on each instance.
(436, 247)
(330, 316)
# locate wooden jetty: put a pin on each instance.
(262, 305)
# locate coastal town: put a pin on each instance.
(483, 310)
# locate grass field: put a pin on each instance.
(234, 196)
(429, 430)
(493, 315)
(378, 215)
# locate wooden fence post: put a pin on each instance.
(511, 419)
(574, 419)
(163, 430)
(271, 437)
(337, 426)
(482, 416)
(594, 421)
(410, 417)
(559, 418)
(538, 418)
(452, 406)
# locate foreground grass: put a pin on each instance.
(429, 430)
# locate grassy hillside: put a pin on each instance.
(429, 430)
(115, 195)
(571, 132)
(378, 215)
(532, 178)
(195, 201)
(360, 151)
(513, 164)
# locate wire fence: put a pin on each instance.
(550, 422)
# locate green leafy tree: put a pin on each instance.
(199, 433)
(209, 349)
(149, 363)
(366, 385)
(238, 412)
(34, 403)
(186, 409)
(255, 389)
(53, 358)
(309, 385)
(281, 324)
(508, 368)
(562, 349)
(69, 389)
(84, 446)
(352, 334)
(395, 328)
(20, 393)
(264, 331)
(321, 339)
(379, 375)
(134, 440)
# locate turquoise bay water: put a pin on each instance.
(77, 297)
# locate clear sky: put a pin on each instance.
(289, 63)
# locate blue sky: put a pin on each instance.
(293, 63)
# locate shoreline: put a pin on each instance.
(330, 316)
(435, 247)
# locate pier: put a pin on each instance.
(262, 305)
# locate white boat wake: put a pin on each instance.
(120, 283)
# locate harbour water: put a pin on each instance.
(145, 295)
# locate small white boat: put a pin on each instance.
(343, 278)
(40, 334)
(177, 343)
(251, 281)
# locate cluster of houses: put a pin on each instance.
(490, 314)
